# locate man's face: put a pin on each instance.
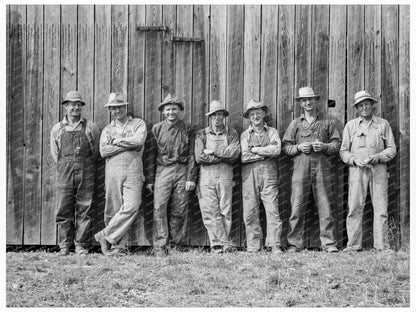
(217, 119)
(365, 108)
(119, 112)
(256, 116)
(308, 104)
(73, 109)
(171, 112)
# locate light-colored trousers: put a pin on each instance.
(374, 179)
(215, 191)
(123, 197)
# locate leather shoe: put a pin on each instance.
(99, 237)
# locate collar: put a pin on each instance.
(373, 119)
(66, 121)
(302, 116)
(210, 130)
(251, 128)
(175, 125)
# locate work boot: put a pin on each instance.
(276, 250)
(292, 249)
(229, 249)
(332, 249)
(99, 237)
(119, 252)
(350, 250)
(216, 250)
(64, 251)
(79, 250)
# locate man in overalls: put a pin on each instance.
(367, 145)
(122, 145)
(311, 139)
(74, 148)
(173, 148)
(260, 146)
(216, 149)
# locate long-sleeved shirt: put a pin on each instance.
(300, 131)
(266, 141)
(117, 137)
(361, 140)
(91, 131)
(169, 144)
(228, 154)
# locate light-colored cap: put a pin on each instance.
(73, 96)
(170, 99)
(253, 105)
(217, 106)
(361, 96)
(307, 92)
(116, 99)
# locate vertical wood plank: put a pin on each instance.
(390, 107)
(68, 50)
(198, 234)
(119, 48)
(33, 125)
(15, 181)
(51, 108)
(269, 60)
(9, 34)
(168, 51)
(217, 55)
(183, 55)
(285, 100)
(355, 55)
(320, 54)
(102, 84)
(404, 123)
(85, 57)
(136, 54)
(235, 94)
(337, 92)
(303, 62)
(372, 52)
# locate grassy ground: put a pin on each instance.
(200, 279)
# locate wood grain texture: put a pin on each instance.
(119, 48)
(33, 125)
(50, 111)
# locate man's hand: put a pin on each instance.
(372, 159)
(208, 151)
(318, 146)
(305, 147)
(150, 187)
(189, 186)
(254, 149)
(359, 163)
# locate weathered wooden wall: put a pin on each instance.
(264, 52)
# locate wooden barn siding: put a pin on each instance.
(256, 51)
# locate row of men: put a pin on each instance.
(367, 144)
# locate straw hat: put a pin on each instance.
(307, 92)
(254, 105)
(73, 96)
(361, 96)
(170, 99)
(116, 99)
(217, 106)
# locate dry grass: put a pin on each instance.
(200, 279)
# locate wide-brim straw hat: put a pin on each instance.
(254, 105)
(116, 99)
(73, 96)
(307, 92)
(170, 99)
(361, 96)
(217, 106)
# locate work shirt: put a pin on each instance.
(170, 144)
(117, 137)
(91, 131)
(267, 142)
(361, 140)
(227, 152)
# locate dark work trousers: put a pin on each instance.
(75, 189)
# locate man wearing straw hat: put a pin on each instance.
(260, 146)
(122, 145)
(216, 149)
(367, 145)
(310, 139)
(175, 177)
(74, 148)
